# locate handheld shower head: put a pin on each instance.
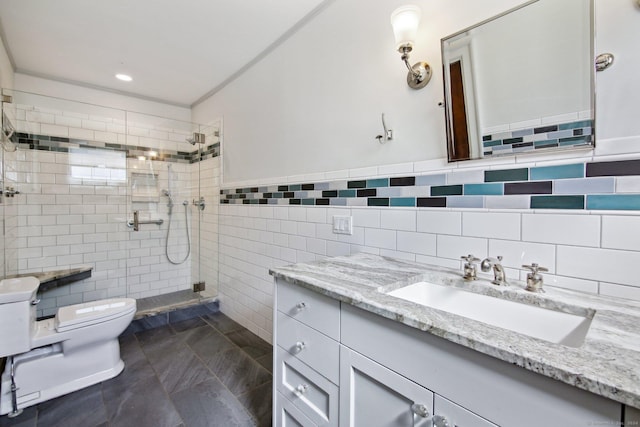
(168, 194)
(170, 202)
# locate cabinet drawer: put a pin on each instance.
(318, 311)
(287, 415)
(310, 346)
(310, 392)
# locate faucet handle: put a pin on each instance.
(470, 258)
(534, 267)
(534, 279)
(469, 268)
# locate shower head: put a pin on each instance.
(196, 138)
(170, 202)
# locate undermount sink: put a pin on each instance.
(549, 325)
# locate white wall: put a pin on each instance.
(37, 85)
(316, 100)
(289, 118)
(6, 69)
(618, 89)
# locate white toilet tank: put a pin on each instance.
(17, 314)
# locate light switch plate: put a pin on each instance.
(342, 224)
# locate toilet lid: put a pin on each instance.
(89, 313)
(18, 289)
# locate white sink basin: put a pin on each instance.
(549, 325)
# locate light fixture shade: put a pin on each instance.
(404, 21)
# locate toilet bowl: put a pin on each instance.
(48, 358)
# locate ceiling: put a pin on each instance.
(177, 51)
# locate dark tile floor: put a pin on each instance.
(202, 372)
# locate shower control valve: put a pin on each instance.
(199, 203)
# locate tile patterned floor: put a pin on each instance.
(202, 372)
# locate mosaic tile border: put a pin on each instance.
(64, 145)
(571, 134)
(585, 186)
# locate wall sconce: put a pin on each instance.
(404, 21)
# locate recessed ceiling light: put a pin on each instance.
(124, 77)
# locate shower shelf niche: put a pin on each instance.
(144, 187)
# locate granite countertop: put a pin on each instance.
(53, 279)
(607, 363)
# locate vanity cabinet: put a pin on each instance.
(383, 373)
(306, 357)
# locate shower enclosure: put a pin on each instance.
(131, 196)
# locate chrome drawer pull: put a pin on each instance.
(300, 345)
(440, 421)
(301, 306)
(302, 389)
(420, 410)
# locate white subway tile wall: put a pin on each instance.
(566, 243)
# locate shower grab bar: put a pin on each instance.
(136, 222)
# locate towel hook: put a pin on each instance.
(388, 133)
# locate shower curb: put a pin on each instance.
(161, 316)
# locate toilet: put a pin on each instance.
(48, 358)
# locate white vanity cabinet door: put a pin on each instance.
(457, 416)
(310, 392)
(372, 395)
(287, 415)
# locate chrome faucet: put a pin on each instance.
(534, 279)
(499, 277)
(470, 267)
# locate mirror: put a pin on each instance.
(521, 82)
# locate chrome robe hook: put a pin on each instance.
(388, 133)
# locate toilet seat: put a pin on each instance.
(90, 313)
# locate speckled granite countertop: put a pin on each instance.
(607, 363)
(53, 279)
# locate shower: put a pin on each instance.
(170, 204)
(197, 138)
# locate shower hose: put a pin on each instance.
(186, 222)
